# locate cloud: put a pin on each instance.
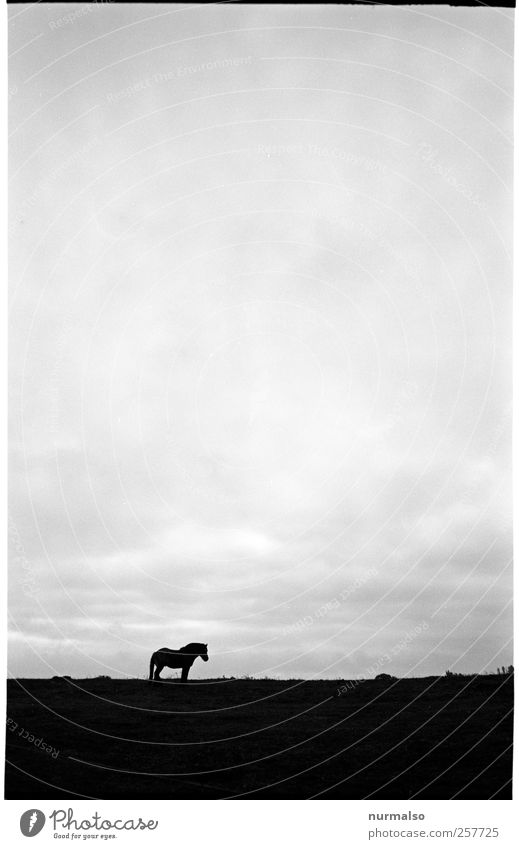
(260, 344)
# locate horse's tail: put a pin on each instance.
(152, 662)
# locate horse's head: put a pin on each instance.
(204, 656)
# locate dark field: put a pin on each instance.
(427, 738)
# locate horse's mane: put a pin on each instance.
(193, 647)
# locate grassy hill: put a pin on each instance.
(427, 738)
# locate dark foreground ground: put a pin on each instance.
(132, 739)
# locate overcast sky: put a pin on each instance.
(260, 338)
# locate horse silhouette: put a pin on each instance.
(177, 659)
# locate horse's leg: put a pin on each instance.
(158, 670)
(185, 672)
